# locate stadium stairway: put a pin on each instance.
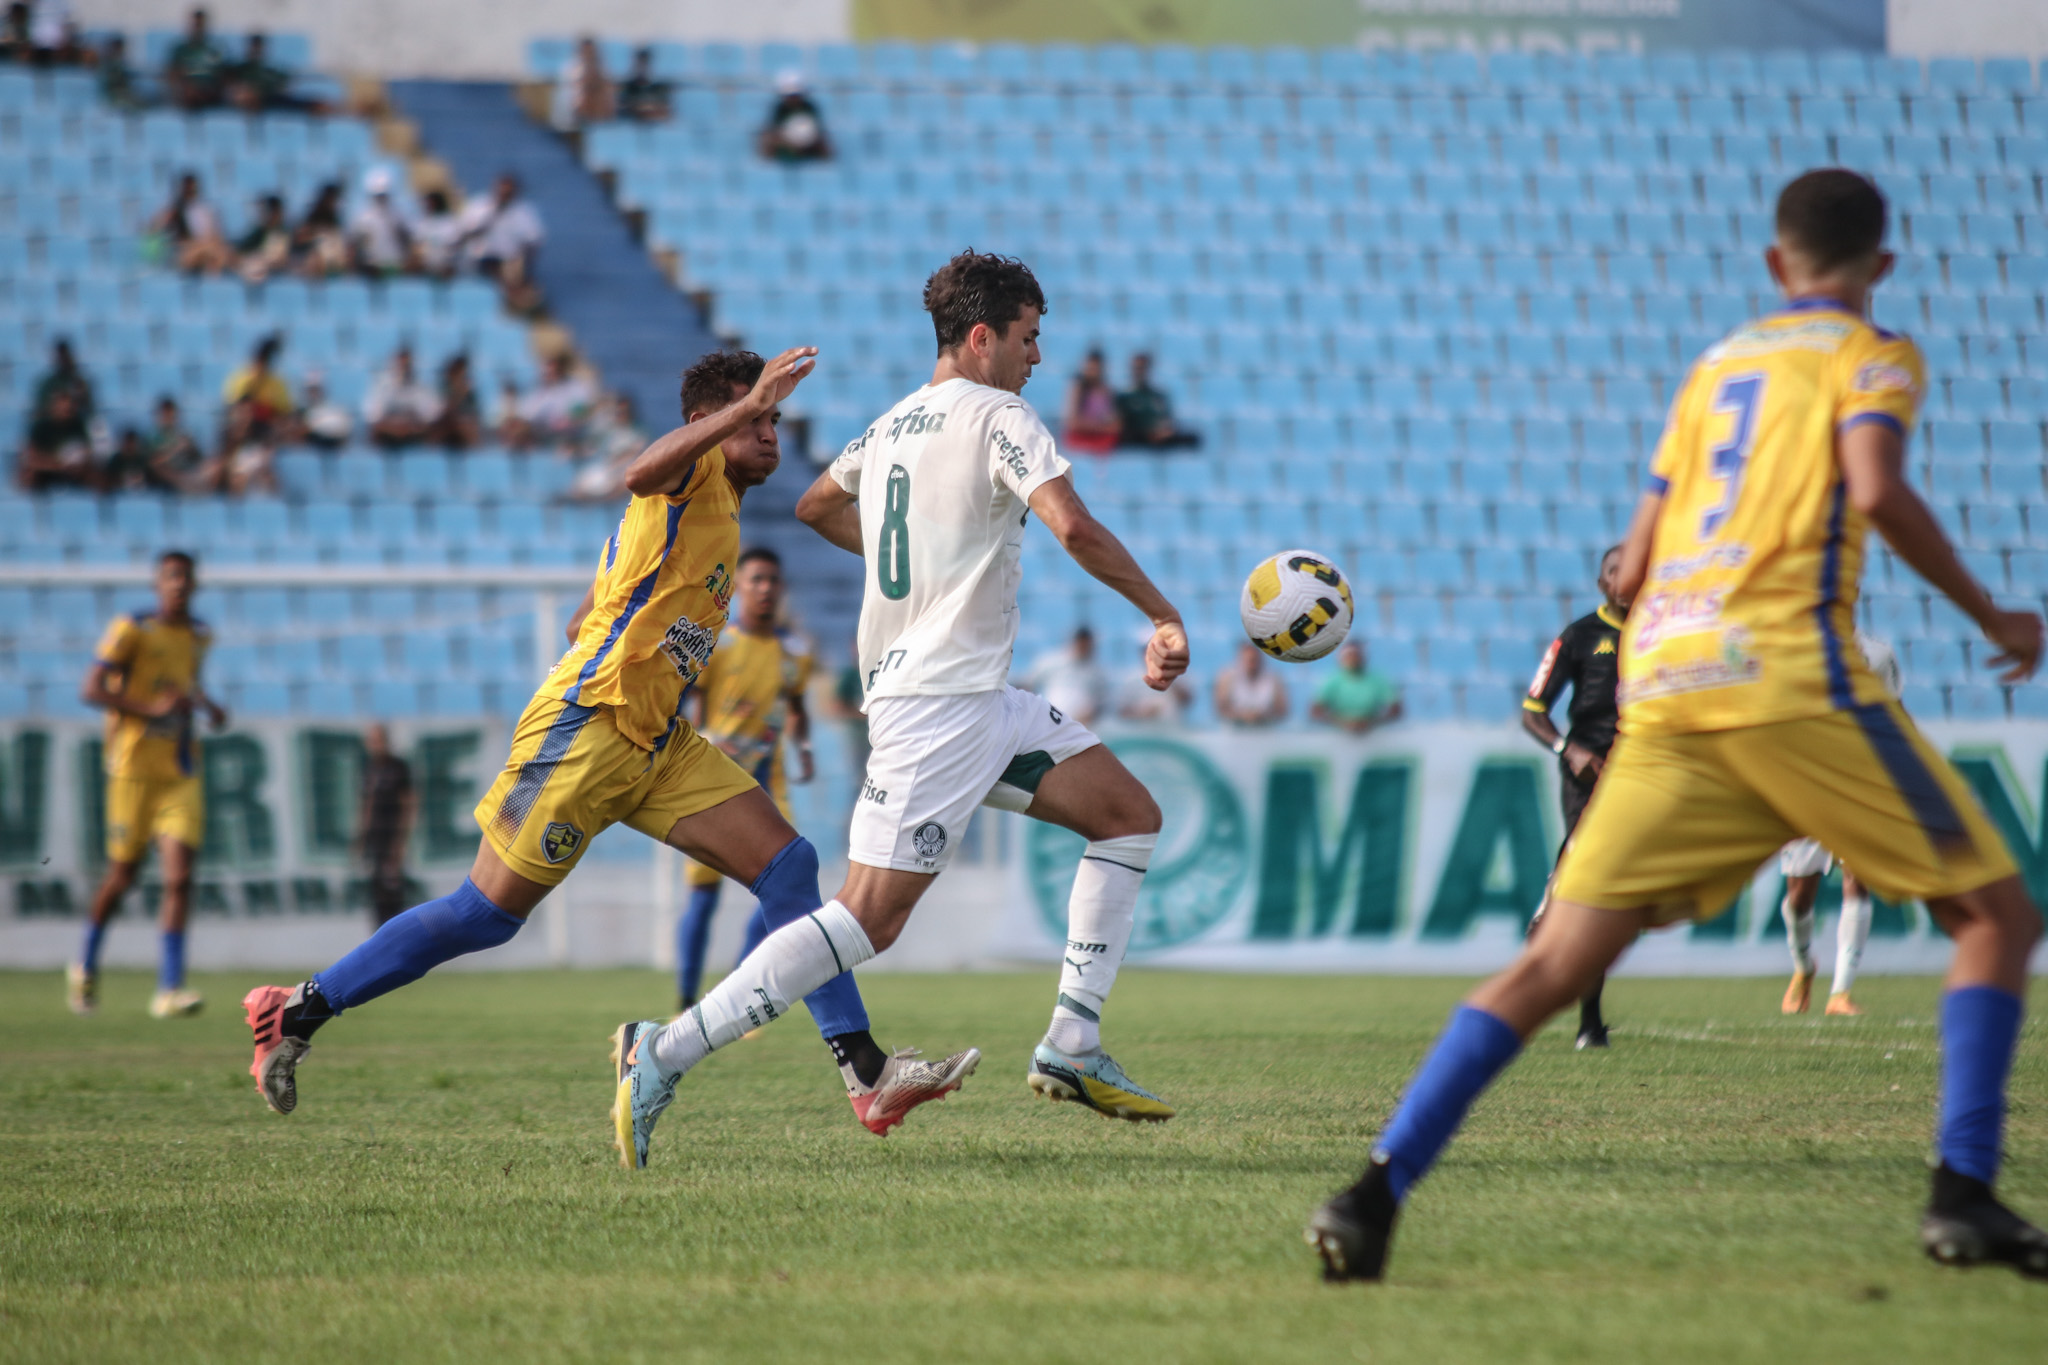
(627, 318)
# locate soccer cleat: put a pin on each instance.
(1591, 1038)
(1840, 1003)
(1798, 995)
(1096, 1081)
(177, 1004)
(1352, 1232)
(643, 1092)
(1966, 1225)
(277, 1056)
(907, 1081)
(81, 989)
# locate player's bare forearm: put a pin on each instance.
(96, 694)
(799, 719)
(666, 463)
(1539, 724)
(1634, 568)
(832, 512)
(1095, 548)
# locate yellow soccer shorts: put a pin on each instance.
(697, 874)
(141, 810)
(571, 775)
(1679, 823)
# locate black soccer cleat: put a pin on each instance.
(1352, 1232)
(1592, 1037)
(1966, 1225)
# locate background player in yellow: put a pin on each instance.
(1749, 718)
(749, 696)
(603, 742)
(145, 676)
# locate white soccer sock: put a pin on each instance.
(1099, 914)
(1850, 936)
(790, 963)
(1799, 934)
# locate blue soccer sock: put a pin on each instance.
(788, 890)
(170, 960)
(757, 930)
(95, 935)
(693, 932)
(409, 946)
(1980, 1026)
(1474, 1048)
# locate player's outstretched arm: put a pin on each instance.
(1634, 568)
(665, 465)
(98, 694)
(1096, 549)
(1872, 456)
(832, 512)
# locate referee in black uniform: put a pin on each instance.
(1585, 657)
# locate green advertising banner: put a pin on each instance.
(1559, 25)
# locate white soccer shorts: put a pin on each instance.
(1805, 858)
(934, 759)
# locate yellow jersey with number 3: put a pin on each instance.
(664, 582)
(1747, 614)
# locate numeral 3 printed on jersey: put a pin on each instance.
(1740, 395)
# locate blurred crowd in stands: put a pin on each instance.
(1098, 419)
(585, 94)
(1248, 694)
(70, 443)
(198, 72)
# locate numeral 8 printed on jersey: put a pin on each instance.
(1296, 606)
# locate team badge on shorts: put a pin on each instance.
(929, 839)
(560, 840)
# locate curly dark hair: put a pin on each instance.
(977, 287)
(1832, 216)
(707, 385)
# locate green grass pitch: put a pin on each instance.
(1724, 1185)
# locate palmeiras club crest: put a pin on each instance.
(929, 839)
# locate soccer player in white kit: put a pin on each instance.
(1803, 863)
(935, 497)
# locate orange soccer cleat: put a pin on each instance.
(1798, 995)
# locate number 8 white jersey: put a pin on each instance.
(944, 481)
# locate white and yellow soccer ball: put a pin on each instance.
(1296, 606)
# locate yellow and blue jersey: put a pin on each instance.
(746, 690)
(1747, 613)
(664, 583)
(147, 656)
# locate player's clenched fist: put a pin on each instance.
(1166, 655)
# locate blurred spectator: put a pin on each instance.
(320, 240)
(128, 471)
(1070, 679)
(461, 425)
(847, 697)
(500, 232)
(795, 130)
(1145, 413)
(118, 84)
(1355, 698)
(266, 248)
(553, 412)
(187, 232)
(326, 423)
(1140, 705)
(196, 72)
(65, 378)
(1090, 422)
(175, 459)
(401, 410)
(258, 420)
(437, 235)
(1248, 693)
(42, 34)
(583, 94)
(58, 451)
(614, 440)
(379, 238)
(255, 86)
(643, 96)
(384, 823)
(16, 42)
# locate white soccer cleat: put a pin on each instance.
(907, 1081)
(177, 1004)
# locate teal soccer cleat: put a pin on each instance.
(1094, 1079)
(642, 1094)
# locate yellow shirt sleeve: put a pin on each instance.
(1671, 445)
(709, 463)
(1884, 381)
(117, 647)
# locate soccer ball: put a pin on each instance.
(1296, 606)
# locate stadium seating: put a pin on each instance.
(1405, 296)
